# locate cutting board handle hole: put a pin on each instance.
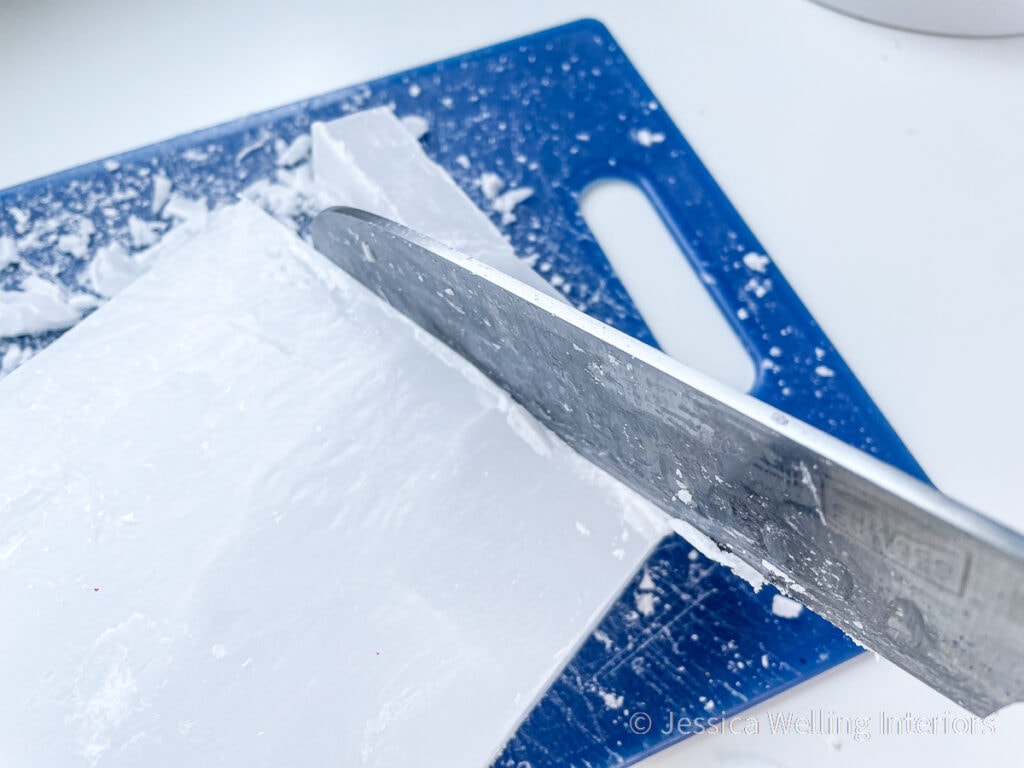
(683, 316)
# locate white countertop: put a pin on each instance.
(884, 172)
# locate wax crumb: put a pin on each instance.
(161, 192)
(756, 261)
(646, 138)
(785, 608)
(824, 371)
(507, 202)
(290, 194)
(602, 637)
(74, 245)
(253, 146)
(112, 269)
(194, 155)
(611, 701)
(647, 582)
(21, 219)
(294, 153)
(8, 251)
(757, 287)
(39, 306)
(76, 241)
(143, 233)
(490, 184)
(644, 602)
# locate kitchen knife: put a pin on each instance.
(919, 578)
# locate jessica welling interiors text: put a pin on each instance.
(817, 722)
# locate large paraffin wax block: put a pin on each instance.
(250, 516)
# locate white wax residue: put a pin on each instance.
(288, 195)
(296, 152)
(8, 251)
(756, 261)
(644, 602)
(506, 202)
(73, 244)
(490, 184)
(781, 577)
(252, 516)
(703, 544)
(648, 138)
(75, 240)
(112, 270)
(612, 700)
(785, 608)
(39, 306)
(143, 233)
(161, 193)
(647, 582)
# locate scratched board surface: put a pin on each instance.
(555, 111)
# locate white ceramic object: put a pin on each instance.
(968, 18)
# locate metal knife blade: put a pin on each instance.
(919, 578)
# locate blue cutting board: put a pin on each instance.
(555, 111)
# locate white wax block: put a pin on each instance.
(250, 516)
(370, 160)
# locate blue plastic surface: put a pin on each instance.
(555, 111)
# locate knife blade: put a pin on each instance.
(919, 578)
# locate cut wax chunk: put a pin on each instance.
(249, 515)
(371, 160)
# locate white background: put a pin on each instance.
(883, 170)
